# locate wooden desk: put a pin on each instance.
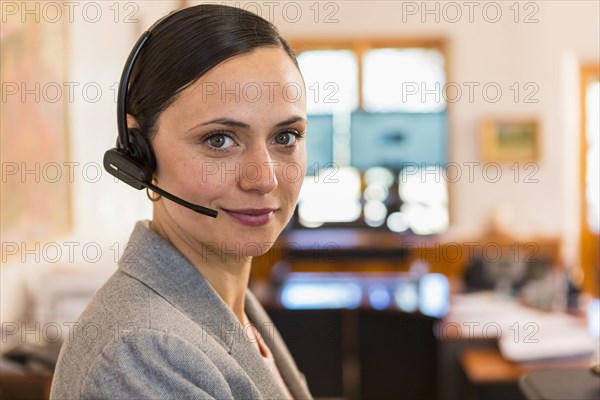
(16, 386)
(490, 376)
(355, 250)
(485, 366)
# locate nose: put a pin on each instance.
(257, 173)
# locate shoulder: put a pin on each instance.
(154, 364)
(128, 330)
(144, 363)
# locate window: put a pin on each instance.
(373, 107)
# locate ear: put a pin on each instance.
(132, 122)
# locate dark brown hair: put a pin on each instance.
(185, 46)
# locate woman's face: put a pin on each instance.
(233, 142)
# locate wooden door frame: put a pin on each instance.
(589, 257)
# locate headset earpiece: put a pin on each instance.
(123, 167)
(133, 165)
(140, 149)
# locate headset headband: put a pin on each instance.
(124, 83)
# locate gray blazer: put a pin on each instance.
(157, 329)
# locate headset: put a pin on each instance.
(133, 160)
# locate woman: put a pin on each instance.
(218, 95)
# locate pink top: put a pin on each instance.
(267, 356)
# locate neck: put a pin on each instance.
(228, 274)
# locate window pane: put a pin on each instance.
(319, 143)
(409, 80)
(394, 139)
(331, 78)
(425, 199)
(331, 196)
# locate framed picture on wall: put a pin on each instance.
(509, 140)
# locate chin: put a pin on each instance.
(248, 248)
(249, 241)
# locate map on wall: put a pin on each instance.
(35, 195)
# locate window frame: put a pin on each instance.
(361, 46)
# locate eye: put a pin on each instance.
(219, 141)
(287, 138)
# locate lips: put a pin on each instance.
(251, 216)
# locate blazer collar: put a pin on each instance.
(292, 377)
(152, 260)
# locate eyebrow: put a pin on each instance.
(239, 124)
(290, 121)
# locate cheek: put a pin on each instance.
(290, 178)
(188, 176)
(293, 169)
(205, 180)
